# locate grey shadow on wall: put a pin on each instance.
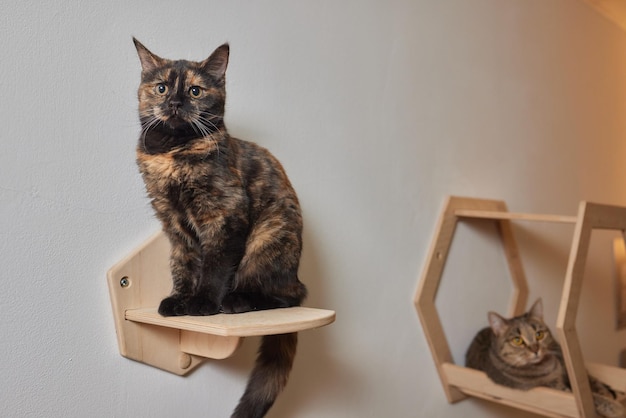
(317, 374)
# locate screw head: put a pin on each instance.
(124, 281)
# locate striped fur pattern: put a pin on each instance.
(226, 205)
(521, 353)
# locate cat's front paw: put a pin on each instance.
(201, 306)
(173, 306)
(236, 303)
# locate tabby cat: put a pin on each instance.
(227, 207)
(521, 353)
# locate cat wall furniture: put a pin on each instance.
(180, 344)
(460, 382)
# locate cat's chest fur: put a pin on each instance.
(167, 167)
(550, 372)
(181, 183)
(162, 173)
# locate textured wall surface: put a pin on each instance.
(378, 110)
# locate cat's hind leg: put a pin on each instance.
(238, 302)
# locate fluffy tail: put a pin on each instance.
(269, 375)
(608, 407)
(605, 399)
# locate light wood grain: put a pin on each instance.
(208, 345)
(531, 217)
(272, 321)
(590, 216)
(435, 262)
(543, 401)
(458, 381)
(566, 319)
(619, 258)
(146, 269)
(612, 376)
(181, 344)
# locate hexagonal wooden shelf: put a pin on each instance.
(459, 382)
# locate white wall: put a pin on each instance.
(378, 110)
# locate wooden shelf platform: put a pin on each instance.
(543, 401)
(459, 382)
(532, 217)
(248, 324)
(179, 344)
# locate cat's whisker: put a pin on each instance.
(200, 128)
(150, 122)
(201, 124)
(209, 121)
(197, 129)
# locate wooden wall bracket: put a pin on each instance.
(459, 382)
(180, 344)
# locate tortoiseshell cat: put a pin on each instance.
(227, 207)
(521, 353)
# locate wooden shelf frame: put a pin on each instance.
(459, 382)
(180, 344)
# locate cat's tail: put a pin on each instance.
(607, 407)
(269, 375)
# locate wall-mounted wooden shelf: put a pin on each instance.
(459, 382)
(179, 344)
(248, 324)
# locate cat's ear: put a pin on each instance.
(536, 311)
(497, 323)
(149, 61)
(216, 64)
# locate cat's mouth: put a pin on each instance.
(538, 358)
(176, 121)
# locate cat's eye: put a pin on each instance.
(539, 335)
(195, 91)
(161, 89)
(517, 341)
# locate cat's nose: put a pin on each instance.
(175, 104)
